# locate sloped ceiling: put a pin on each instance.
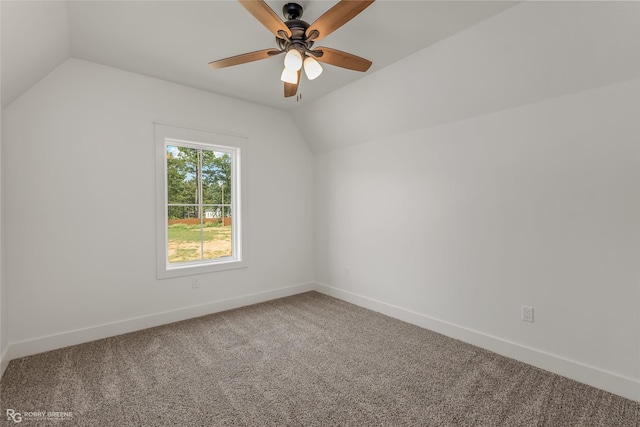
(532, 52)
(434, 62)
(34, 40)
(175, 40)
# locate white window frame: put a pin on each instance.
(166, 134)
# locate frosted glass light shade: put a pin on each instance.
(289, 76)
(293, 60)
(312, 68)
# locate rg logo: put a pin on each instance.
(13, 415)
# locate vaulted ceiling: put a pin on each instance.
(175, 40)
(434, 62)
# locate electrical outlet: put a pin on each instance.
(347, 272)
(527, 314)
(195, 284)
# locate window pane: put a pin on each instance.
(216, 195)
(182, 171)
(189, 238)
(184, 234)
(216, 238)
(216, 177)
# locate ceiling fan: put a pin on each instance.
(296, 38)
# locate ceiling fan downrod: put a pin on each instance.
(292, 11)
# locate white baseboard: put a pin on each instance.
(79, 336)
(611, 382)
(4, 361)
(604, 380)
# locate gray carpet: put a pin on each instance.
(303, 360)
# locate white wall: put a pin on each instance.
(79, 169)
(466, 222)
(3, 312)
(495, 169)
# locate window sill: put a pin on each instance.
(189, 269)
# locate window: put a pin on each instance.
(199, 201)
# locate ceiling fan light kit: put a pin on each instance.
(296, 38)
(293, 60)
(289, 76)
(312, 68)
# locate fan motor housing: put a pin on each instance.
(298, 27)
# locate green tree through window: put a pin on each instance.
(199, 209)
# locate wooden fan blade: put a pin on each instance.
(263, 13)
(291, 89)
(335, 18)
(245, 57)
(341, 59)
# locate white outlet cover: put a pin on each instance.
(527, 313)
